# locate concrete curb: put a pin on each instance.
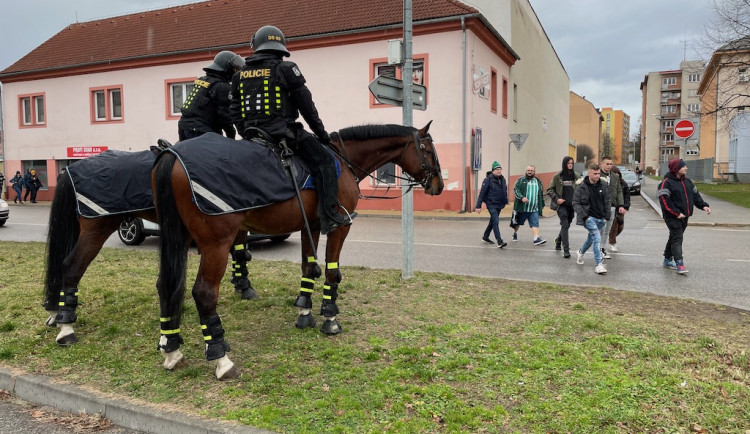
(72, 399)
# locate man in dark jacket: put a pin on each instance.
(591, 202)
(560, 191)
(269, 94)
(677, 196)
(206, 108)
(494, 194)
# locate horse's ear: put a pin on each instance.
(424, 129)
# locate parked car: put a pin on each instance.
(634, 184)
(4, 212)
(133, 231)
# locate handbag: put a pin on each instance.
(553, 204)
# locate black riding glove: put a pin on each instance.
(323, 137)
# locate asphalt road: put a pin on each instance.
(715, 256)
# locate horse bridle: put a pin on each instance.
(428, 171)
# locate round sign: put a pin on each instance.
(684, 129)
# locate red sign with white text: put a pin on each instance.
(85, 151)
(684, 129)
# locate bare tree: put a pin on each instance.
(726, 87)
(584, 153)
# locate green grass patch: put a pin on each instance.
(436, 353)
(738, 194)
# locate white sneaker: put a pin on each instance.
(579, 257)
(605, 255)
(613, 248)
(600, 269)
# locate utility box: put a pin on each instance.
(395, 52)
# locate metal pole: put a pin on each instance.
(407, 200)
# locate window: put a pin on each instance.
(692, 152)
(493, 90)
(176, 92)
(106, 104)
(505, 98)
(31, 110)
(693, 92)
(694, 78)
(669, 109)
(667, 138)
(695, 108)
(668, 81)
(515, 104)
(742, 75)
(385, 174)
(40, 167)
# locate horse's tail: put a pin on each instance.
(62, 235)
(173, 241)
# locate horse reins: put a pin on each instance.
(425, 165)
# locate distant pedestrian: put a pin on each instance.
(615, 193)
(591, 202)
(677, 196)
(17, 183)
(2, 184)
(529, 203)
(494, 194)
(618, 222)
(34, 184)
(27, 184)
(560, 191)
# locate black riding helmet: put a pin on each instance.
(227, 62)
(269, 38)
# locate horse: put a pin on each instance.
(73, 241)
(361, 149)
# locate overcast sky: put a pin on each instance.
(606, 47)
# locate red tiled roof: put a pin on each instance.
(217, 24)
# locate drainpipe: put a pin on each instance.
(463, 113)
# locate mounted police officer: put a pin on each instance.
(269, 94)
(206, 108)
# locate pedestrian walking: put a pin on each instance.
(618, 222)
(615, 194)
(494, 194)
(560, 191)
(27, 185)
(2, 184)
(591, 202)
(677, 196)
(34, 184)
(17, 183)
(529, 203)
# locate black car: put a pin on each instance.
(133, 231)
(634, 184)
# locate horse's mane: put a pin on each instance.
(374, 131)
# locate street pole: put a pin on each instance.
(407, 199)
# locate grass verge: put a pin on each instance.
(436, 353)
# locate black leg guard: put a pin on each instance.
(170, 329)
(67, 306)
(213, 334)
(306, 288)
(328, 308)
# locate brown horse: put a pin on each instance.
(74, 241)
(362, 149)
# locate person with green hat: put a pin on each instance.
(494, 194)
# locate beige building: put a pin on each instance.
(585, 126)
(615, 126)
(724, 98)
(668, 97)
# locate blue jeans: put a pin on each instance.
(494, 224)
(594, 226)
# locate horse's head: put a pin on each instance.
(423, 165)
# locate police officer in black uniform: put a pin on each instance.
(270, 94)
(206, 108)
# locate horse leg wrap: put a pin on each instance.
(213, 334)
(240, 257)
(306, 288)
(328, 308)
(170, 335)
(66, 313)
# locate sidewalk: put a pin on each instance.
(723, 213)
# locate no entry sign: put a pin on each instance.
(684, 128)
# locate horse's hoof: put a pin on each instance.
(173, 360)
(305, 321)
(231, 374)
(331, 327)
(248, 294)
(67, 340)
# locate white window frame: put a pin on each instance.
(666, 138)
(668, 81)
(694, 78)
(186, 87)
(105, 108)
(32, 110)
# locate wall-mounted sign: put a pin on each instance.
(85, 151)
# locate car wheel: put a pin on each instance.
(131, 231)
(2, 222)
(279, 238)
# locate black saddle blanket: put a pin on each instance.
(228, 175)
(113, 182)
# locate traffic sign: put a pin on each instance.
(684, 128)
(389, 90)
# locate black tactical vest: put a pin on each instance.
(264, 99)
(198, 100)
